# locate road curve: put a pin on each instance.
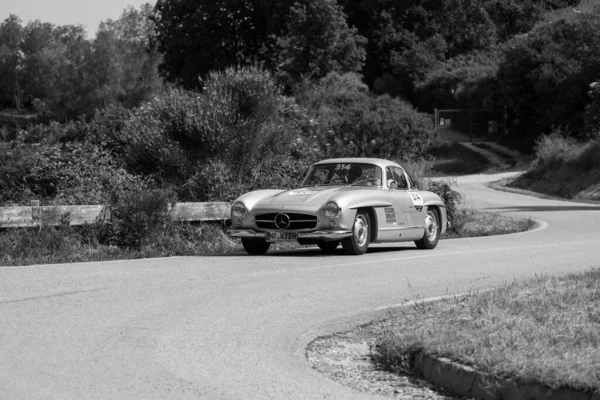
(234, 326)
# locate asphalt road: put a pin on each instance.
(234, 326)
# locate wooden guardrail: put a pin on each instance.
(28, 216)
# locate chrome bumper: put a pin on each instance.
(325, 235)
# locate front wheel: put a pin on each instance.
(358, 243)
(431, 236)
(255, 247)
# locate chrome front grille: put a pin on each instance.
(286, 221)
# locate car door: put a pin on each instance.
(407, 203)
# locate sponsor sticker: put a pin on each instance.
(417, 200)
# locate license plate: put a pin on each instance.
(280, 236)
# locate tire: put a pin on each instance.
(358, 243)
(328, 247)
(431, 236)
(255, 247)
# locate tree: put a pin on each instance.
(513, 17)
(11, 60)
(37, 48)
(125, 66)
(71, 63)
(319, 41)
(546, 75)
(199, 36)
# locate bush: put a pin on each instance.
(353, 123)
(133, 219)
(76, 173)
(209, 144)
(553, 149)
(450, 197)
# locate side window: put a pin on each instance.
(401, 178)
(397, 174)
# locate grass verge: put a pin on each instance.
(564, 168)
(542, 330)
(69, 244)
(473, 223)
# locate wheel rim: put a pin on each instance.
(361, 231)
(431, 226)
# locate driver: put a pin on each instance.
(354, 173)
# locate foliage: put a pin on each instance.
(59, 73)
(450, 197)
(319, 41)
(545, 76)
(126, 60)
(465, 81)
(552, 149)
(352, 122)
(40, 244)
(15, 163)
(75, 173)
(132, 219)
(592, 111)
(217, 139)
(197, 37)
(11, 35)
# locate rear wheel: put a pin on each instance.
(432, 230)
(358, 243)
(328, 247)
(255, 247)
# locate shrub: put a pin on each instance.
(450, 197)
(133, 219)
(232, 130)
(76, 173)
(552, 150)
(352, 122)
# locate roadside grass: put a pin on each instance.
(453, 159)
(563, 168)
(474, 223)
(541, 330)
(70, 244)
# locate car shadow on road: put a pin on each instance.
(310, 252)
(586, 207)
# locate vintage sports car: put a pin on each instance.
(352, 201)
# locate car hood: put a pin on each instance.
(310, 196)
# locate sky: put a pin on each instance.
(68, 12)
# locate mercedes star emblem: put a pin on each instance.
(282, 221)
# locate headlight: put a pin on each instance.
(238, 210)
(332, 210)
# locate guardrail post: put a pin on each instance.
(36, 211)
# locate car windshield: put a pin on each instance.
(355, 174)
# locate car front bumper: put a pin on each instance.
(324, 235)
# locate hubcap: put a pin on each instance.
(431, 226)
(361, 229)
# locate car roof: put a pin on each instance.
(380, 162)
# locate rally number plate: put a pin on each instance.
(280, 236)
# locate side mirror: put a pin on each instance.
(392, 184)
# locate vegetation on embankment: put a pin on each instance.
(542, 330)
(564, 168)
